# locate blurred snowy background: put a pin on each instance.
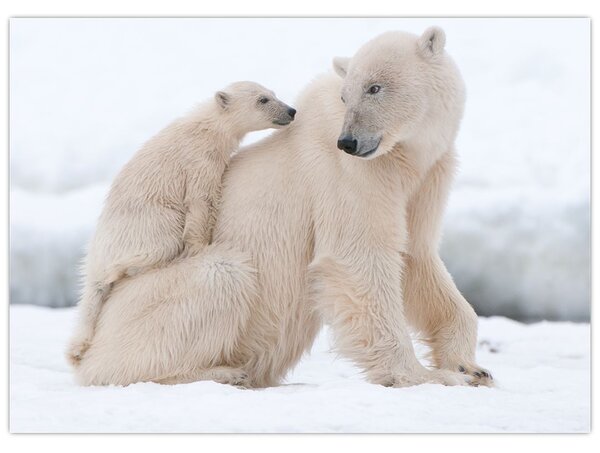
(86, 93)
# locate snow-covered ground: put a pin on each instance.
(542, 370)
(86, 93)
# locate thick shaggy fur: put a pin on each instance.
(163, 204)
(308, 234)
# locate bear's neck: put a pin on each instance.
(402, 170)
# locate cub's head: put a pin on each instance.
(391, 87)
(254, 107)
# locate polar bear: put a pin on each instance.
(335, 219)
(162, 204)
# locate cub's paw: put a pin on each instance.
(479, 376)
(76, 349)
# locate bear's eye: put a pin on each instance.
(343, 100)
(263, 100)
(374, 89)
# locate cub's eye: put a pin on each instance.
(263, 100)
(343, 100)
(374, 89)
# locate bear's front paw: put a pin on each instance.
(480, 376)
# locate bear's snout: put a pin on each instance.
(348, 144)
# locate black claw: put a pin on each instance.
(477, 374)
(461, 369)
(485, 374)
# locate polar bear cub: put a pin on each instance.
(163, 203)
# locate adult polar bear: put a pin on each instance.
(307, 233)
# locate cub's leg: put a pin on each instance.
(199, 223)
(96, 291)
(369, 327)
(89, 308)
(202, 201)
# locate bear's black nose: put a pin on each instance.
(347, 144)
(292, 113)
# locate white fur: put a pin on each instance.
(307, 234)
(163, 204)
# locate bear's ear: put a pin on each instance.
(432, 42)
(340, 65)
(222, 99)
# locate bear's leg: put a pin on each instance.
(432, 303)
(221, 374)
(171, 322)
(370, 328)
(446, 320)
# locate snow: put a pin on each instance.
(86, 93)
(542, 371)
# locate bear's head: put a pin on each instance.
(252, 107)
(396, 88)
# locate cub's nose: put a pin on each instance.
(292, 112)
(347, 144)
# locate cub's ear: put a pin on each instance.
(340, 65)
(432, 42)
(222, 99)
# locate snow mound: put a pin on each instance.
(542, 371)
